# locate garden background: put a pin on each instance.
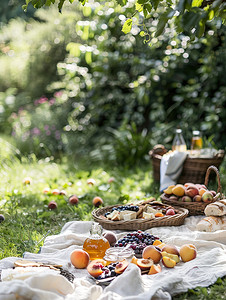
(79, 99)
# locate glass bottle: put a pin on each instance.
(196, 142)
(179, 142)
(96, 245)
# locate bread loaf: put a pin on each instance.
(210, 224)
(217, 208)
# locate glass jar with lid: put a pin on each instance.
(179, 142)
(196, 142)
(116, 254)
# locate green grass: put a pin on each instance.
(25, 207)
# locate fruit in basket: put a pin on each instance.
(97, 201)
(121, 266)
(186, 199)
(213, 193)
(172, 256)
(170, 249)
(178, 190)
(207, 197)
(144, 263)
(153, 253)
(168, 262)
(173, 198)
(155, 269)
(191, 191)
(79, 258)
(202, 191)
(169, 190)
(188, 252)
(197, 198)
(170, 212)
(111, 237)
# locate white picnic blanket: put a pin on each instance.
(209, 264)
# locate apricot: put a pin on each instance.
(79, 258)
(95, 268)
(157, 243)
(134, 260)
(150, 252)
(27, 180)
(121, 266)
(73, 200)
(202, 191)
(169, 189)
(155, 269)
(168, 262)
(207, 197)
(55, 192)
(191, 191)
(170, 249)
(97, 201)
(52, 205)
(172, 256)
(159, 214)
(178, 190)
(188, 252)
(144, 263)
(160, 246)
(173, 198)
(111, 237)
(197, 198)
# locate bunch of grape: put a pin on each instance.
(123, 207)
(137, 240)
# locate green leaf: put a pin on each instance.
(181, 6)
(88, 57)
(74, 49)
(141, 1)
(127, 26)
(211, 15)
(148, 7)
(161, 25)
(60, 5)
(196, 3)
(87, 10)
(142, 33)
(139, 7)
(216, 4)
(71, 1)
(121, 2)
(155, 3)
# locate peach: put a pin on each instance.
(188, 184)
(95, 268)
(169, 189)
(188, 252)
(121, 266)
(170, 249)
(134, 260)
(178, 190)
(157, 243)
(91, 181)
(202, 191)
(155, 269)
(207, 197)
(173, 198)
(150, 252)
(191, 191)
(73, 200)
(213, 193)
(52, 205)
(79, 258)
(97, 201)
(186, 199)
(111, 237)
(172, 256)
(197, 198)
(168, 262)
(144, 263)
(170, 212)
(160, 246)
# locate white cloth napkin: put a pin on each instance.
(203, 271)
(171, 166)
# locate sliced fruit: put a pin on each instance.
(168, 262)
(155, 269)
(121, 266)
(172, 256)
(145, 263)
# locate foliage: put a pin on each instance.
(187, 16)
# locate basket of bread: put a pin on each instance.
(142, 215)
(193, 196)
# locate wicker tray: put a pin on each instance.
(194, 169)
(197, 208)
(142, 224)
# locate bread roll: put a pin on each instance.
(210, 224)
(217, 208)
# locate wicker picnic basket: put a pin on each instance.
(194, 168)
(197, 208)
(140, 224)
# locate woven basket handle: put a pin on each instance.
(213, 168)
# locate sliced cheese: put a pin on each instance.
(150, 210)
(148, 215)
(130, 216)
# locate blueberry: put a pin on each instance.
(2, 218)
